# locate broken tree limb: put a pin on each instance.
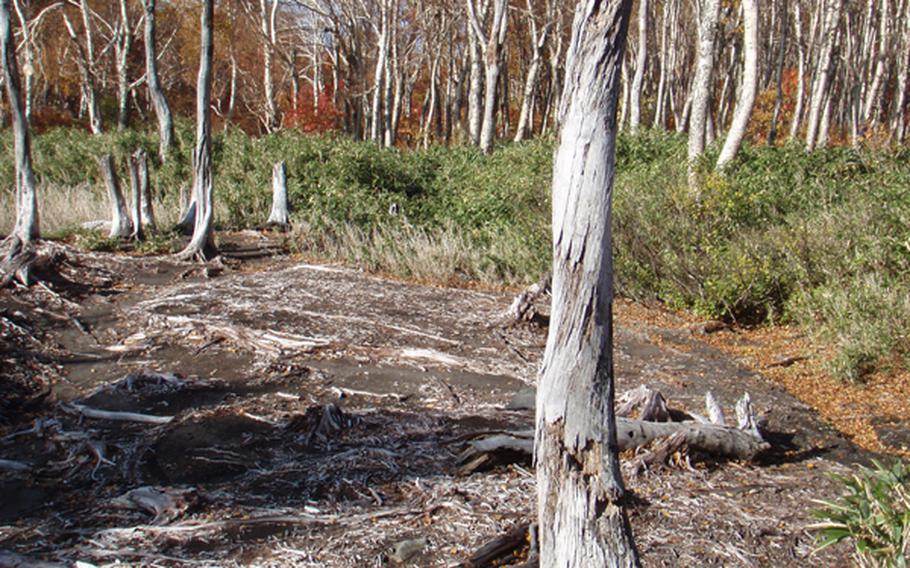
(652, 404)
(522, 307)
(279, 213)
(90, 412)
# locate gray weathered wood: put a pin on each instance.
(26, 228)
(156, 93)
(121, 226)
(701, 85)
(748, 89)
(580, 488)
(279, 213)
(202, 243)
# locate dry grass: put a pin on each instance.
(64, 208)
(443, 255)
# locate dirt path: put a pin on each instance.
(416, 371)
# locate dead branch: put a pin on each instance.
(90, 412)
(165, 503)
(718, 440)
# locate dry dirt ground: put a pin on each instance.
(257, 470)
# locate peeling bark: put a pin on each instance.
(580, 488)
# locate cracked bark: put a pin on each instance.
(580, 489)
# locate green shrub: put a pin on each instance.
(781, 235)
(874, 513)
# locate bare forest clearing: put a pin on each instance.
(256, 470)
(465, 284)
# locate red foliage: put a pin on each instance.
(321, 117)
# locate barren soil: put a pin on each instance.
(259, 348)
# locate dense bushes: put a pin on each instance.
(821, 238)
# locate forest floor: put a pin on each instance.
(254, 469)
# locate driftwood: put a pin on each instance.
(165, 503)
(743, 442)
(90, 412)
(522, 307)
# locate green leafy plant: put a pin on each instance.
(874, 513)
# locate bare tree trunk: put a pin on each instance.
(379, 78)
(136, 203)
(491, 43)
(121, 227)
(641, 61)
(823, 72)
(898, 125)
(267, 29)
(748, 88)
(800, 72)
(701, 85)
(123, 43)
(538, 42)
(26, 228)
(580, 488)
(872, 107)
(156, 94)
(202, 243)
(279, 213)
(28, 56)
(475, 94)
(779, 72)
(139, 161)
(85, 61)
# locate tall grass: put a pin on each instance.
(822, 238)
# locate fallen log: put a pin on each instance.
(742, 443)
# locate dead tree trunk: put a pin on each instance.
(279, 214)
(121, 227)
(749, 87)
(580, 488)
(136, 201)
(146, 210)
(26, 228)
(162, 110)
(202, 243)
